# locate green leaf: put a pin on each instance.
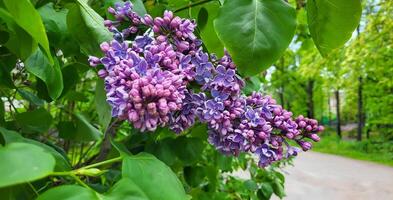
(69, 192)
(38, 65)
(21, 162)
(206, 17)
(27, 17)
(255, 32)
(83, 19)
(163, 150)
(188, 150)
(20, 42)
(55, 22)
(265, 192)
(32, 98)
(251, 185)
(278, 188)
(62, 163)
(331, 22)
(139, 7)
(38, 120)
(126, 189)
(84, 130)
(194, 175)
(157, 180)
(102, 106)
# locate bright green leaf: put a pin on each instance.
(255, 32)
(69, 192)
(265, 192)
(27, 17)
(157, 180)
(126, 189)
(21, 162)
(331, 22)
(38, 120)
(38, 65)
(62, 163)
(206, 17)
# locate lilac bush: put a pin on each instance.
(151, 69)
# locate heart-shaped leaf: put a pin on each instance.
(331, 22)
(255, 32)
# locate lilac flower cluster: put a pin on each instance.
(147, 81)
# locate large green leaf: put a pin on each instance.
(21, 162)
(331, 22)
(62, 163)
(188, 150)
(157, 180)
(69, 192)
(83, 19)
(39, 65)
(28, 18)
(55, 21)
(38, 120)
(102, 106)
(255, 32)
(32, 98)
(20, 42)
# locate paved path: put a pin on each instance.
(317, 176)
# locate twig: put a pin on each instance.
(192, 5)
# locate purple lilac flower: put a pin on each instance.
(147, 81)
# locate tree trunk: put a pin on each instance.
(310, 102)
(337, 94)
(329, 110)
(360, 109)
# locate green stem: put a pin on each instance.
(33, 188)
(103, 163)
(77, 179)
(192, 5)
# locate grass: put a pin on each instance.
(374, 151)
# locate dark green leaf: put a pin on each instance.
(38, 120)
(83, 19)
(84, 130)
(207, 31)
(188, 150)
(69, 192)
(255, 32)
(23, 162)
(163, 150)
(32, 98)
(38, 65)
(157, 180)
(194, 175)
(27, 17)
(55, 21)
(102, 106)
(2, 113)
(139, 7)
(265, 192)
(331, 22)
(70, 78)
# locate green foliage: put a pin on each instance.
(153, 175)
(255, 32)
(327, 27)
(14, 168)
(58, 138)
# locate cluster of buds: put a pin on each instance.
(147, 83)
